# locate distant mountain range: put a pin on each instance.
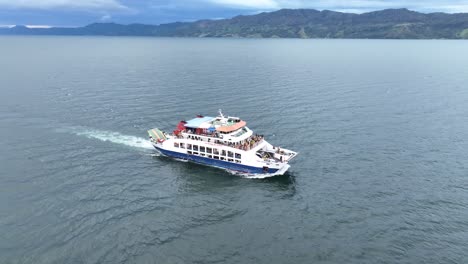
(287, 23)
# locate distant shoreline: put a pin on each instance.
(223, 38)
(285, 24)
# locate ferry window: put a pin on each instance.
(223, 158)
(189, 152)
(230, 154)
(195, 153)
(209, 150)
(223, 152)
(189, 146)
(182, 145)
(215, 151)
(238, 156)
(176, 145)
(202, 149)
(238, 161)
(195, 147)
(230, 160)
(210, 156)
(202, 154)
(216, 157)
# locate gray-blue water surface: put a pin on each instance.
(381, 127)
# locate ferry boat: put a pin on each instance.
(224, 142)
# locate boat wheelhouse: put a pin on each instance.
(224, 142)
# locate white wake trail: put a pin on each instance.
(259, 176)
(116, 137)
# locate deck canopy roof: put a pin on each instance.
(199, 122)
(232, 127)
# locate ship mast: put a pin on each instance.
(221, 114)
(223, 119)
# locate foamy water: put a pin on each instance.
(259, 176)
(113, 137)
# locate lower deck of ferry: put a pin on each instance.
(218, 163)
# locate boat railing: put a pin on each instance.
(212, 135)
(248, 143)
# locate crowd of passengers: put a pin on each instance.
(247, 144)
(194, 135)
(206, 134)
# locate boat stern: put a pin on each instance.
(157, 136)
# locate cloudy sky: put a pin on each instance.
(82, 12)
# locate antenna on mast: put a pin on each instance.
(221, 114)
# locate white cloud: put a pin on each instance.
(105, 17)
(38, 26)
(75, 4)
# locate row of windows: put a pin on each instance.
(208, 150)
(213, 156)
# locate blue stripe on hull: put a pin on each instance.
(215, 163)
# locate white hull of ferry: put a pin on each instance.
(248, 162)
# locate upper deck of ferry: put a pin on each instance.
(229, 131)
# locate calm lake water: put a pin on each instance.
(381, 127)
